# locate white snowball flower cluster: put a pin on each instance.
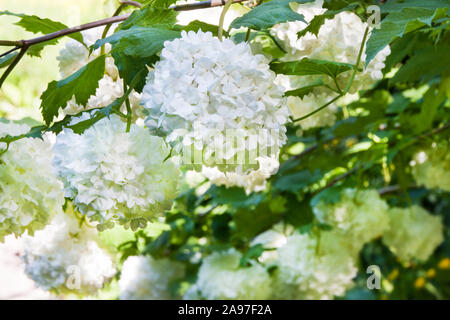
(30, 193)
(253, 180)
(414, 233)
(360, 216)
(66, 258)
(217, 104)
(146, 278)
(113, 176)
(75, 56)
(431, 167)
(221, 277)
(339, 39)
(312, 267)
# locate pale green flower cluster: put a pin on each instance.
(146, 278)
(360, 216)
(413, 233)
(115, 176)
(221, 277)
(314, 266)
(66, 258)
(30, 193)
(431, 167)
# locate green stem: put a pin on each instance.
(127, 104)
(349, 84)
(12, 65)
(108, 26)
(11, 43)
(318, 109)
(247, 35)
(355, 67)
(129, 114)
(222, 18)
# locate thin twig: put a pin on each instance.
(201, 5)
(65, 32)
(393, 189)
(8, 52)
(13, 64)
(10, 43)
(132, 3)
(339, 178)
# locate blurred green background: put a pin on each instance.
(19, 96)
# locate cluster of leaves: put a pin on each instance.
(370, 146)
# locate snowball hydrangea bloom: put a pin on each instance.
(311, 267)
(431, 167)
(146, 278)
(30, 193)
(75, 56)
(217, 104)
(414, 233)
(221, 277)
(339, 39)
(112, 175)
(66, 258)
(360, 216)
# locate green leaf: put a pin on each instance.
(158, 3)
(159, 245)
(307, 67)
(220, 227)
(6, 60)
(399, 104)
(234, 196)
(432, 99)
(303, 91)
(36, 25)
(150, 16)
(252, 254)
(251, 222)
(401, 48)
(82, 84)
(135, 48)
(298, 213)
(399, 5)
(267, 15)
(329, 195)
(315, 24)
(199, 25)
(95, 114)
(398, 23)
(35, 132)
(296, 181)
(36, 49)
(424, 65)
